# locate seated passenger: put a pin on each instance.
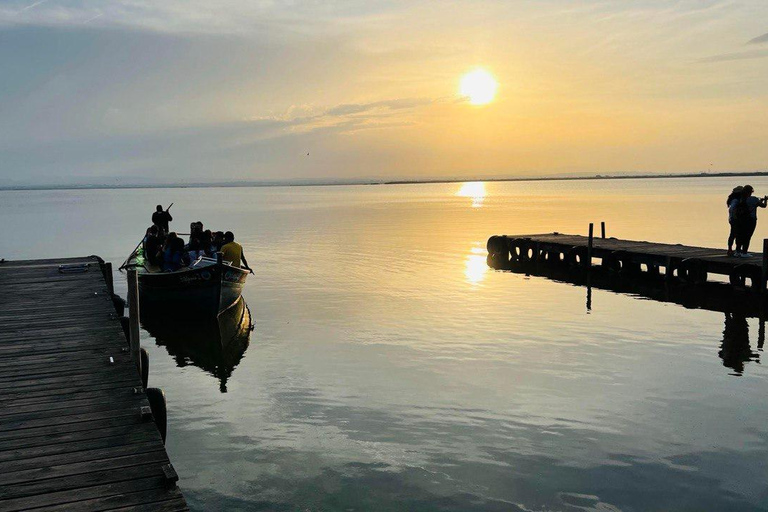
(152, 246)
(173, 254)
(218, 240)
(233, 252)
(194, 249)
(206, 244)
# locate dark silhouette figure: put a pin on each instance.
(161, 218)
(735, 349)
(745, 217)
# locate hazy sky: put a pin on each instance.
(193, 90)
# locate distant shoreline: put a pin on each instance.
(249, 184)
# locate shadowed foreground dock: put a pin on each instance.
(76, 431)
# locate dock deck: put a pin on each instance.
(687, 263)
(75, 428)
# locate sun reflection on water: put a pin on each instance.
(476, 265)
(474, 190)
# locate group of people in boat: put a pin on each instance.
(165, 249)
(742, 216)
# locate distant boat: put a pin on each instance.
(206, 287)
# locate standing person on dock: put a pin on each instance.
(733, 199)
(233, 252)
(161, 218)
(746, 218)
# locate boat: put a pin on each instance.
(206, 287)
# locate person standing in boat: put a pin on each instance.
(161, 218)
(233, 252)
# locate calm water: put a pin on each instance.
(390, 369)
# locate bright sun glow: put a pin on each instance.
(475, 190)
(479, 86)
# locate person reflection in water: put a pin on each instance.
(735, 349)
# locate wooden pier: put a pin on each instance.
(630, 258)
(77, 431)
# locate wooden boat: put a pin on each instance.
(206, 287)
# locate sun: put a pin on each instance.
(479, 86)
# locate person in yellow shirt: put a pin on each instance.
(233, 252)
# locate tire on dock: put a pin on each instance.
(692, 271)
(498, 252)
(522, 250)
(156, 399)
(741, 273)
(576, 256)
(625, 264)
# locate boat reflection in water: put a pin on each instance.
(215, 345)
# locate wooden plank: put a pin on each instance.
(83, 455)
(118, 494)
(36, 480)
(62, 438)
(144, 501)
(69, 427)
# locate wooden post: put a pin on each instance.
(765, 265)
(602, 229)
(108, 277)
(133, 316)
(589, 245)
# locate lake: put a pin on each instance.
(391, 369)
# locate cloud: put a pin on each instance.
(759, 39)
(349, 116)
(194, 16)
(726, 57)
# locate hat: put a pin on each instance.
(736, 190)
(748, 188)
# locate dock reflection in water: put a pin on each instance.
(736, 305)
(214, 345)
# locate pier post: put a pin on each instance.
(602, 229)
(589, 244)
(133, 316)
(764, 276)
(108, 277)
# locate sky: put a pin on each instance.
(139, 91)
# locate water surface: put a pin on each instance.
(391, 369)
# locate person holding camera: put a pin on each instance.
(745, 217)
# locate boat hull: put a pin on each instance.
(207, 290)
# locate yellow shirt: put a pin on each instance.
(233, 252)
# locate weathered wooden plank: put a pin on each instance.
(75, 410)
(38, 480)
(115, 494)
(10, 424)
(69, 427)
(143, 501)
(82, 456)
(62, 438)
(73, 388)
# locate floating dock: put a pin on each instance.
(78, 429)
(630, 258)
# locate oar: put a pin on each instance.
(131, 255)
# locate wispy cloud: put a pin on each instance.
(348, 116)
(726, 57)
(759, 39)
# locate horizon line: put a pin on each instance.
(370, 182)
